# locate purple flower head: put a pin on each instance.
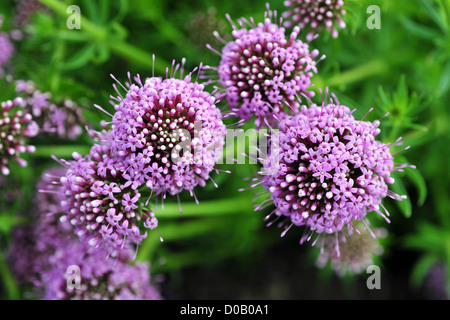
(351, 253)
(315, 15)
(100, 203)
(25, 9)
(42, 252)
(21, 257)
(63, 120)
(167, 134)
(15, 125)
(263, 69)
(100, 278)
(331, 171)
(6, 50)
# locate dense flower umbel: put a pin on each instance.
(263, 70)
(167, 134)
(15, 125)
(332, 170)
(33, 243)
(100, 278)
(43, 251)
(100, 203)
(25, 9)
(6, 51)
(63, 120)
(315, 15)
(351, 253)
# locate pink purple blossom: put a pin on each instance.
(99, 202)
(15, 126)
(6, 51)
(331, 172)
(264, 69)
(25, 9)
(315, 15)
(63, 119)
(167, 134)
(43, 250)
(101, 278)
(352, 252)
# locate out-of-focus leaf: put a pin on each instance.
(63, 151)
(404, 205)
(418, 138)
(418, 180)
(81, 58)
(444, 85)
(421, 269)
(434, 13)
(101, 55)
(420, 30)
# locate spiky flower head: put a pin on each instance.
(331, 171)
(6, 50)
(63, 119)
(315, 15)
(34, 242)
(100, 278)
(20, 254)
(15, 126)
(263, 69)
(167, 134)
(352, 252)
(100, 203)
(43, 251)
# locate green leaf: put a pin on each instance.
(416, 177)
(60, 151)
(434, 13)
(404, 205)
(81, 58)
(444, 84)
(420, 30)
(421, 269)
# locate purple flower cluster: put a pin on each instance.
(42, 252)
(101, 279)
(6, 50)
(100, 203)
(264, 69)
(315, 14)
(63, 120)
(15, 125)
(332, 171)
(25, 9)
(167, 134)
(351, 253)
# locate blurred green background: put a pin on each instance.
(221, 248)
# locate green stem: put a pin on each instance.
(205, 208)
(12, 289)
(101, 35)
(369, 69)
(176, 231)
(62, 151)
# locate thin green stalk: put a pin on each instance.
(176, 231)
(62, 151)
(101, 34)
(204, 208)
(369, 69)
